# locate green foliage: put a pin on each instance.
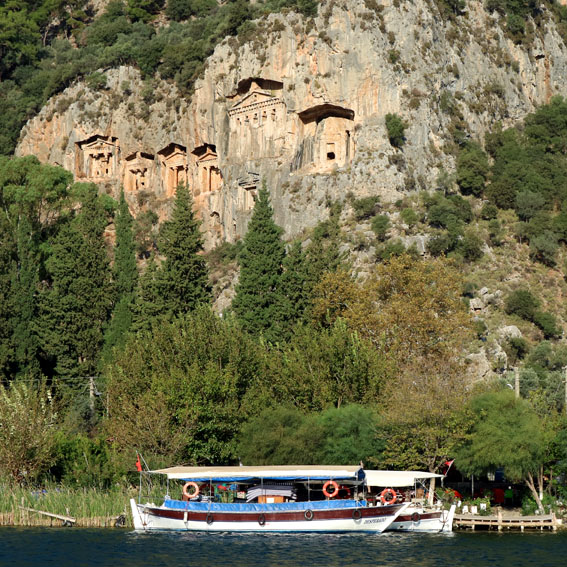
(366, 207)
(125, 276)
(395, 127)
(285, 436)
(75, 305)
(258, 298)
(547, 323)
(380, 225)
(543, 248)
(191, 377)
(472, 170)
(183, 277)
(409, 216)
(489, 212)
(523, 303)
(507, 433)
(324, 367)
(28, 417)
(470, 246)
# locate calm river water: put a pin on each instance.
(66, 547)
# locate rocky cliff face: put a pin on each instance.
(302, 105)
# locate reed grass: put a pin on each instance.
(91, 507)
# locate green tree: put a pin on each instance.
(76, 305)
(181, 390)
(183, 279)
(507, 433)
(396, 129)
(258, 300)
(125, 276)
(284, 435)
(294, 290)
(472, 169)
(28, 418)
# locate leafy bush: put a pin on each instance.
(547, 323)
(472, 169)
(393, 248)
(380, 225)
(409, 216)
(523, 303)
(470, 246)
(366, 207)
(543, 248)
(395, 128)
(489, 212)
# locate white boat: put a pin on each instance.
(267, 499)
(422, 514)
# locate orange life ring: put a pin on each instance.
(388, 496)
(335, 489)
(190, 496)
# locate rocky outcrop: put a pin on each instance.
(301, 106)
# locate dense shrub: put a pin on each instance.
(380, 225)
(395, 128)
(409, 216)
(472, 170)
(523, 303)
(366, 207)
(547, 323)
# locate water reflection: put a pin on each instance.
(66, 547)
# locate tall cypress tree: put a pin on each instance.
(125, 276)
(24, 287)
(295, 289)
(183, 279)
(76, 306)
(258, 301)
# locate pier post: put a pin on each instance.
(499, 518)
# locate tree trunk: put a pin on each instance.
(431, 491)
(529, 480)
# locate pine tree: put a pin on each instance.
(258, 301)
(24, 288)
(183, 279)
(125, 276)
(76, 307)
(294, 289)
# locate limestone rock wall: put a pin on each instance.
(301, 106)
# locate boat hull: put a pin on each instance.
(148, 517)
(418, 519)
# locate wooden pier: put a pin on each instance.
(500, 522)
(67, 520)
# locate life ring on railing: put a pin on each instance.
(388, 496)
(335, 489)
(192, 495)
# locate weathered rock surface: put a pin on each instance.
(302, 107)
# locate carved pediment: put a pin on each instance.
(98, 143)
(173, 151)
(139, 157)
(209, 155)
(252, 98)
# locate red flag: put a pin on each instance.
(138, 463)
(447, 466)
